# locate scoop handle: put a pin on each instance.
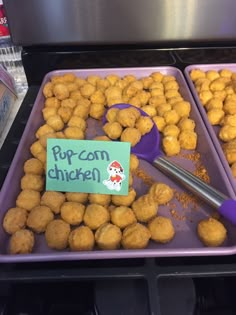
(225, 205)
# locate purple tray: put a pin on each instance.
(213, 130)
(185, 243)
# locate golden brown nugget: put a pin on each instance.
(188, 140)
(102, 138)
(126, 117)
(135, 236)
(21, 242)
(52, 102)
(161, 229)
(171, 145)
(49, 111)
(81, 239)
(33, 182)
(72, 212)
(33, 166)
(131, 135)
(14, 220)
(171, 130)
(77, 197)
(65, 113)
(55, 122)
(69, 103)
(100, 199)
(44, 139)
(159, 122)
(108, 236)
(144, 125)
(161, 193)
(39, 217)
(47, 89)
(53, 200)
(120, 200)
(95, 215)
(112, 114)
(74, 133)
(77, 121)
(81, 110)
(211, 232)
(97, 110)
(186, 124)
(87, 90)
(113, 130)
(44, 129)
(134, 163)
(28, 199)
(145, 208)
(122, 216)
(61, 91)
(57, 234)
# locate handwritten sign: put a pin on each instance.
(100, 167)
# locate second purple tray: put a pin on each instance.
(213, 130)
(187, 214)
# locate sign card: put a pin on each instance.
(100, 167)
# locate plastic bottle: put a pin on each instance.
(10, 55)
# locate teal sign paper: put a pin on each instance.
(100, 167)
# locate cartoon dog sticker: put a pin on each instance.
(116, 176)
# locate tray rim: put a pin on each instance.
(108, 254)
(215, 140)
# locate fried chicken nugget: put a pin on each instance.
(47, 89)
(144, 125)
(113, 130)
(95, 215)
(120, 200)
(74, 133)
(77, 197)
(133, 163)
(81, 239)
(72, 212)
(53, 200)
(65, 113)
(211, 232)
(78, 122)
(61, 91)
(161, 229)
(82, 111)
(188, 140)
(131, 135)
(39, 217)
(112, 114)
(28, 199)
(32, 181)
(171, 145)
(135, 236)
(122, 216)
(52, 102)
(97, 110)
(14, 220)
(33, 166)
(44, 129)
(126, 117)
(161, 193)
(145, 208)
(108, 236)
(21, 242)
(57, 234)
(55, 122)
(100, 199)
(49, 111)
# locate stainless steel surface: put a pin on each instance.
(191, 182)
(120, 21)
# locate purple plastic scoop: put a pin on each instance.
(148, 149)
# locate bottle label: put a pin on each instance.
(4, 30)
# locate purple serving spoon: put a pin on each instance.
(148, 149)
